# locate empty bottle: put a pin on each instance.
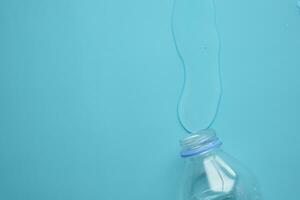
(211, 174)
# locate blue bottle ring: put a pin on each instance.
(202, 150)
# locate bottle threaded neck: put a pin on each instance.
(200, 143)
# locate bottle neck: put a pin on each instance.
(200, 144)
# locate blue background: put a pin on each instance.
(88, 94)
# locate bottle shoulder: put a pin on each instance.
(218, 174)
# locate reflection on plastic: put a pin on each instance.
(213, 174)
(220, 179)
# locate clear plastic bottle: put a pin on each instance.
(211, 174)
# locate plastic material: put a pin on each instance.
(211, 174)
(196, 39)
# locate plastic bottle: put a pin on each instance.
(211, 174)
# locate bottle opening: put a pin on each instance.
(200, 143)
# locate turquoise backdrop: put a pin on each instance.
(88, 95)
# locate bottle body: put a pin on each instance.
(215, 175)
